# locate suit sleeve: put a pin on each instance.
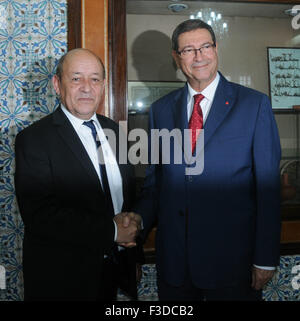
(46, 216)
(267, 155)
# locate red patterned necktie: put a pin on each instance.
(196, 120)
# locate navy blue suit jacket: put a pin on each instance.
(228, 217)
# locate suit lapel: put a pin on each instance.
(70, 137)
(180, 110)
(180, 117)
(223, 101)
(107, 124)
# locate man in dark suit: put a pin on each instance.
(218, 232)
(71, 202)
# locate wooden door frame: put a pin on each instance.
(117, 52)
(74, 12)
(117, 57)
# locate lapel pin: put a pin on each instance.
(227, 103)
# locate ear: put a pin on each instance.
(56, 84)
(176, 58)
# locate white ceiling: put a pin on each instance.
(160, 7)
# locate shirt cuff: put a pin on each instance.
(116, 231)
(269, 268)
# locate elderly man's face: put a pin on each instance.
(81, 85)
(200, 68)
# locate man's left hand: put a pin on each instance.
(261, 277)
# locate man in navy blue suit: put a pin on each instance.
(218, 232)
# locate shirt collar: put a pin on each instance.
(208, 92)
(75, 121)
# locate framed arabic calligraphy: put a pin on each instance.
(284, 77)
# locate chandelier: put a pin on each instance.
(214, 19)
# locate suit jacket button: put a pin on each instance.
(190, 178)
(181, 213)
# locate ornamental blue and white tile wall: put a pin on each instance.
(284, 286)
(33, 36)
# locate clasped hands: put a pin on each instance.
(128, 226)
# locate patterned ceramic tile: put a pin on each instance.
(147, 289)
(280, 288)
(33, 36)
(148, 286)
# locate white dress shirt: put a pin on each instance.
(113, 172)
(206, 102)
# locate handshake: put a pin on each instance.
(128, 227)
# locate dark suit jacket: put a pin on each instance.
(67, 227)
(227, 218)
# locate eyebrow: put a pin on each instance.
(191, 46)
(79, 73)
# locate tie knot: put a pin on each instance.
(90, 124)
(198, 98)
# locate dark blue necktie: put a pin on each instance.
(103, 172)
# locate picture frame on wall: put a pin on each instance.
(141, 94)
(284, 78)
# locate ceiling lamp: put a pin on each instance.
(214, 19)
(177, 7)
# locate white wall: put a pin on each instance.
(242, 53)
